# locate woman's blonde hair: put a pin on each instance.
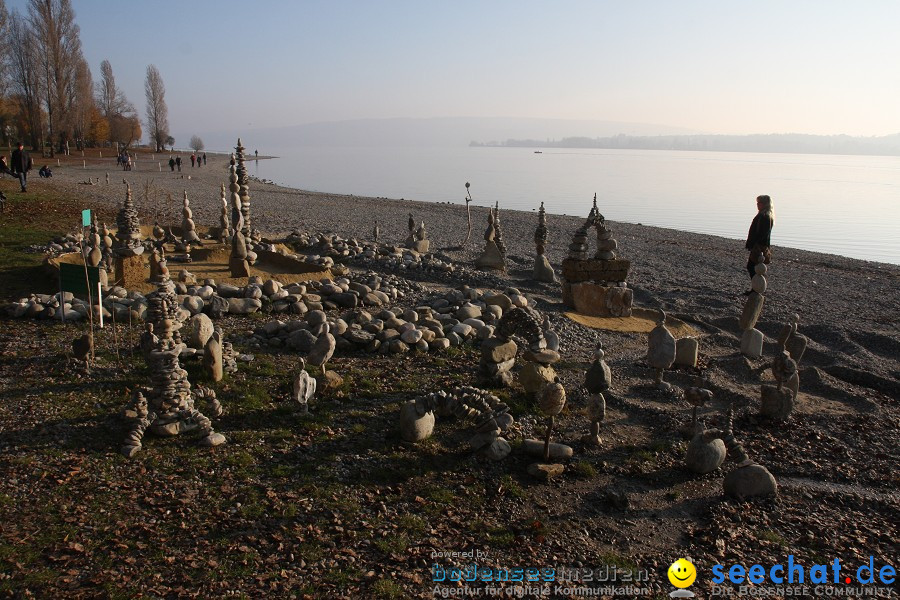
(767, 205)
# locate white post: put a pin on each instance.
(100, 304)
(84, 164)
(159, 164)
(57, 162)
(101, 154)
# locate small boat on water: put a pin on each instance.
(538, 152)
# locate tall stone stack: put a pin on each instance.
(542, 269)
(752, 338)
(498, 231)
(244, 183)
(224, 226)
(596, 286)
(188, 229)
(238, 261)
(129, 248)
(167, 408)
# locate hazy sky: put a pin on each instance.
(718, 66)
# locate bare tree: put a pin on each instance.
(197, 143)
(116, 109)
(52, 22)
(157, 111)
(25, 83)
(111, 99)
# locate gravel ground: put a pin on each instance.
(629, 501)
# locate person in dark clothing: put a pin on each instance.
(178, 163)
(20, 165)
(172, 164)
(204, 158)
(759, 237)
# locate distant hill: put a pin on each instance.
(795, 143)
(446, 131)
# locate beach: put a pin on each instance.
(630, 500)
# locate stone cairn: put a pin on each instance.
(129, 266)
(542, 269)
(107, 248)
(597, 380)
(498, 238)
(778, 401)
(304, 388)
(375, 232)
(418, 237)
(551, 403)
(167, 407)
(596, 286)
(243, 181)
(238, 263)
(661, 350)
(491, 416)
(704, 453)
(129, 233)
(492, 259)
(188, 229)
(749, 479)
(751, 338)
(224, 226)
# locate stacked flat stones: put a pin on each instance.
(243, 181)
(749, 479)
(188, 229)
(167, 408)
(128, 235)
(543, 271)
(596, 286)
(492, 258)
(238, 263)
(597, 380)
(491, 416)
(752, 338)
(661, 350)
(778, 401)
(498, 231)
(224, 225)
(705, 452)
(537, 372)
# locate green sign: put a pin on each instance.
(86, 217)
(71, 278)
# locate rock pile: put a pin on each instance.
(167, 407)
(492, 258)
(491, 416)
(542, 271)
(597, 380)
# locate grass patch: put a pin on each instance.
(621, 562)
(512, 487)
(388, 589)
(772, 536)
(585, 469)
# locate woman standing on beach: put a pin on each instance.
(759, 238)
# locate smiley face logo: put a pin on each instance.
(682, 573)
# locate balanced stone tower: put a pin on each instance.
(224, 226)
(492, 259)
(167, 408)
(596, 286)
(752, 338)
(129, 263)
(188, 229)
(542, 269)
(243, 181)
(238, 261)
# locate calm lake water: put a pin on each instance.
(843, 205)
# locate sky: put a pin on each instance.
(713, 66)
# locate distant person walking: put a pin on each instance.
(759, 237)
(172, 164)
(178, 163)
(20, 164)
(256, 153)
(204, 158)
(193, 160)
